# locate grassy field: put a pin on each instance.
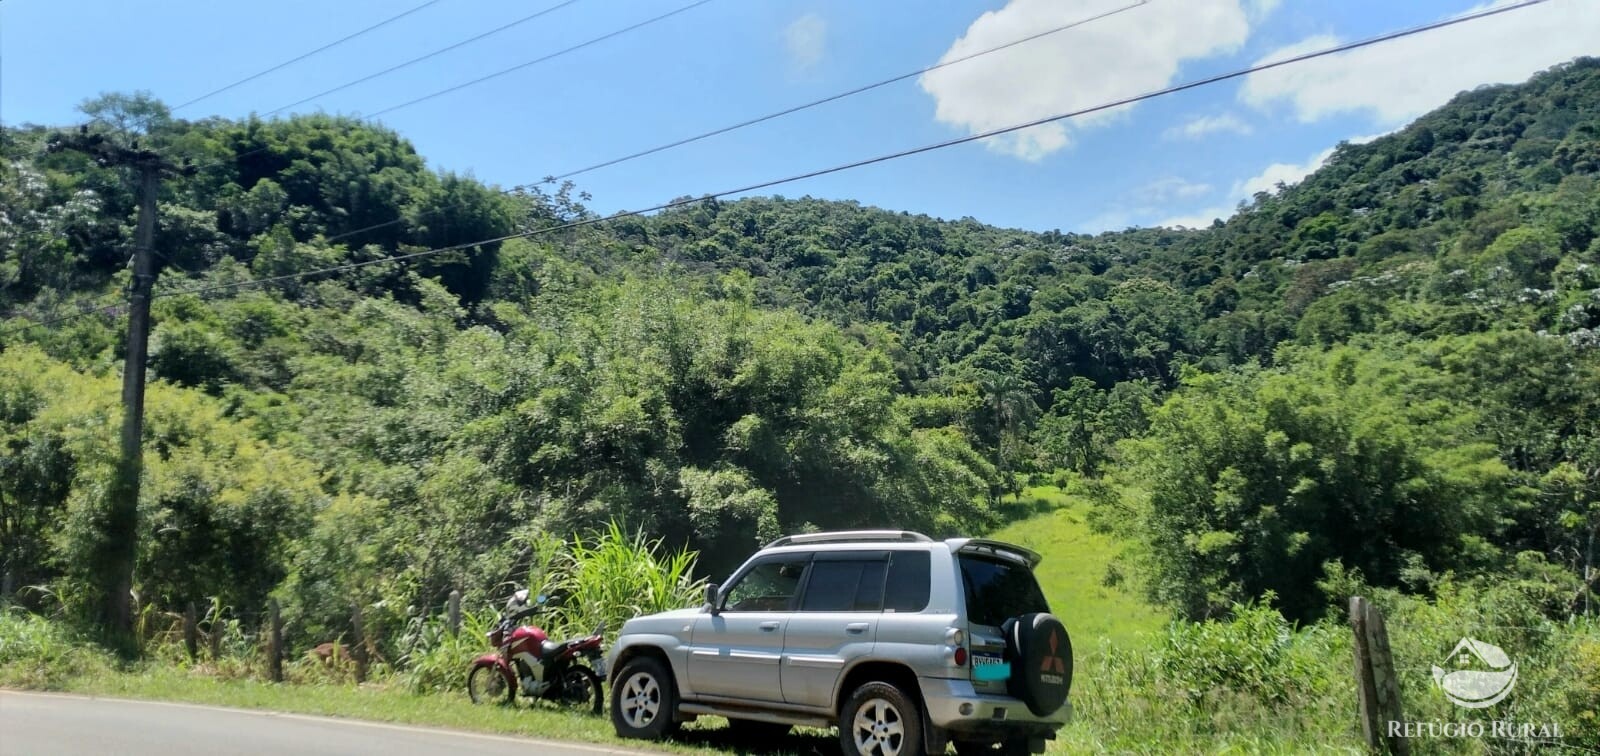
(1073, 573)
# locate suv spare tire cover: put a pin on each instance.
(1041, 670)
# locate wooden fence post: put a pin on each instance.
(1376, 683)
(358, 648)
(455, 613)
(191, 632)
(274, 642)
(214, 636)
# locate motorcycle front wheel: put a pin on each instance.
(486, 684)
(580, 687)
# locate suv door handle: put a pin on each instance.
(767, 627)
(857, 628)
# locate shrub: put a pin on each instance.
(36, 652)
(613, 578)
(1583, 697)
(435, 660)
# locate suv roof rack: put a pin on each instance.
(847, 536)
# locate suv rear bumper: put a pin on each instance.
(954, 705)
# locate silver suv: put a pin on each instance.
(904, 643)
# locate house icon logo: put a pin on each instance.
(1482, 674)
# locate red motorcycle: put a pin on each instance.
(529, 662)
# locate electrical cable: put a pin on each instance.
(786, 111)
(421, 58)
(481, 79)
(302, 56)
(841, 95)
(1370, 41)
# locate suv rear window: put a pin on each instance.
(907, 587)
(998, 590)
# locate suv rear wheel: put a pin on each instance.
(644, 700)
(880, 720)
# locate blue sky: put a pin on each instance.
(1179, 159)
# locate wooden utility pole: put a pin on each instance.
(118, 544)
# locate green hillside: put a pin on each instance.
(1386, 373)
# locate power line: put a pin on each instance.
(481, 79)
(903, 153)
(786, 111)
(303, 56)
(421, 58)
(842, 95)
(543, 58)
(105, 309)
(1368, 42)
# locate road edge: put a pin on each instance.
(573, 745)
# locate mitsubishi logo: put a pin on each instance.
(1053, 662)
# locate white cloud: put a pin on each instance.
(1200, 127)
(807, 39)
(1265, 181)
(1201, 219)
(1399, 80)
(1171, 188)
(1260, 8)
(1118, 56)
(1147, 201)
(1363, 139)
(1287, 173)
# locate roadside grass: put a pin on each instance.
(1074, 572)
(1247, 683)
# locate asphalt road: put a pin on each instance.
(54, 724)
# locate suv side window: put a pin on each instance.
(845, 585)
(769, 586)
(907, 587)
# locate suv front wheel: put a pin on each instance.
(644, 701)
(879, 719)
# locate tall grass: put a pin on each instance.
(613, 577)
(36, 652)
(610, 577)
(435, 660)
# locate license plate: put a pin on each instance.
(989, 667)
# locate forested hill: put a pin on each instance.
(1387, 371)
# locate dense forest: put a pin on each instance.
(1390, 370)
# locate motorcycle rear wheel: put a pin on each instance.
(486, 684)
(580, 687)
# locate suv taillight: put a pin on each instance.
(957, 640)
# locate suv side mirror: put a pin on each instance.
(711, 598)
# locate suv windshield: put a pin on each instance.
(998, 590)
